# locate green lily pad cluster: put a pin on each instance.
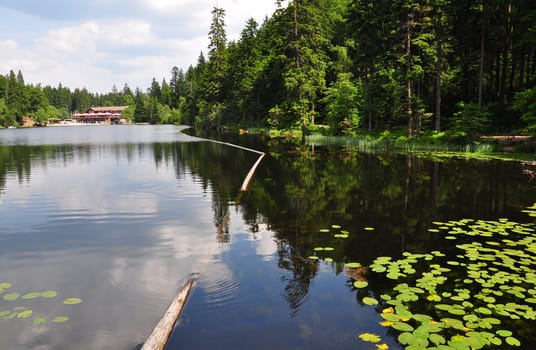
(531, 211)
(476, 295)
(467, 301)
(20, 312)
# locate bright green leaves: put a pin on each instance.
(370, 337)
(4, 287)
(454, 300)
(490, 280)
(323, 252)
(437, 339)
(49, 294)
(342, 105)
(360, 284)
(72, 301)
(60, 319)
(39, 320)
(29, 296)
(370, 301)
(11, 296)
(352, 265)
(433, 297)
(531, 211)
(373, 338)
(329, 249)
(25, 313)
(403, 327)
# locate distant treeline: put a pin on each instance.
(419, 66)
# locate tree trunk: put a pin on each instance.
(527, 79)
(497, 74)
(162, 331)
(510, 51)
(512, 77)
(298, 63)
(502, 86)
(370, 98)
(438, 88)
(533, 70)
(481, 72)
(411, 121)
(521, 83)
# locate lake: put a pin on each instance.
(101, 225)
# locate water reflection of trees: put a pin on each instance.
(299, 192)
(299, 274)
(18, 160)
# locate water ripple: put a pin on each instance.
(221, 294)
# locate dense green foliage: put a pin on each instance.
(419, 65)
(415, 64)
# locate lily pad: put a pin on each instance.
(39, 320)
(30, 296)
(49, 294)
(370, 337)
(370, 301)
(437, 339)
(353, 265)
(513, 341)
(407, 338)
(11, 296)
(403, 327)
(433, 297)
(25, 314)
(60, 319)
(4, 286)
(504, 333)
(360, 284)
(72, 301)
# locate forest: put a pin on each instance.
(453, 68)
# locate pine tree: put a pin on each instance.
(304, 62)
(218, 65)
(16, 96)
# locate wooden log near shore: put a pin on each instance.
(161, 333)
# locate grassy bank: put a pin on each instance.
(437, 145)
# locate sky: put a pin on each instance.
(101, 43)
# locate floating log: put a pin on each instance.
(161, 333)
(253, 168)
(250, 174)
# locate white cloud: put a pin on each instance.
(85, 45)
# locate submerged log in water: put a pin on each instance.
(160, 335)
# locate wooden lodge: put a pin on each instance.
(101, 115)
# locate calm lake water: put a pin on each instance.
(121, 217)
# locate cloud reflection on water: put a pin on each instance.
(113, 229)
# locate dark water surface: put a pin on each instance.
(122, 216)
